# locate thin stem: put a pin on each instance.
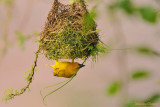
(122, 58)
(51, 86)
(85, 60)
(69, 80)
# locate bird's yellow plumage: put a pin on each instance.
(65, 69)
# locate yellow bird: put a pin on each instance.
(66, 69)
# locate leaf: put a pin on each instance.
(101, 48)
(146, 51)
(21, 39)
(72, 1)
(153, 99)
(9, 90)
(130, 103)
(114, 88)
(28, 75)
(93, 12)
(95, 50)
(149, 102)
(7, 2)
(90, 48)
(125, 5)
(89, 22)
(8, 94)
(89, 19)
(149, 14)
(140, 73)
(27, 72)
(36, 70)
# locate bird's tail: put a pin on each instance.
(50, 65)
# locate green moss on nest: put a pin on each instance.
(69, 32)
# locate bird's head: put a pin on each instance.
(76, 65)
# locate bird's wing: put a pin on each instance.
(59, 73)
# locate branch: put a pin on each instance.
(9, 94)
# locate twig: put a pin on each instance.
(32, 74)
(12, 94)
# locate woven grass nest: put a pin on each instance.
(69, 32)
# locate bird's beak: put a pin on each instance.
(81, 65)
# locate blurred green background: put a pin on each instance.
(127, 75)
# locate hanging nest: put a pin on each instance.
(69, 33)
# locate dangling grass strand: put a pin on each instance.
(69, 80)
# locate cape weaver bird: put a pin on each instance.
(66, 69)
